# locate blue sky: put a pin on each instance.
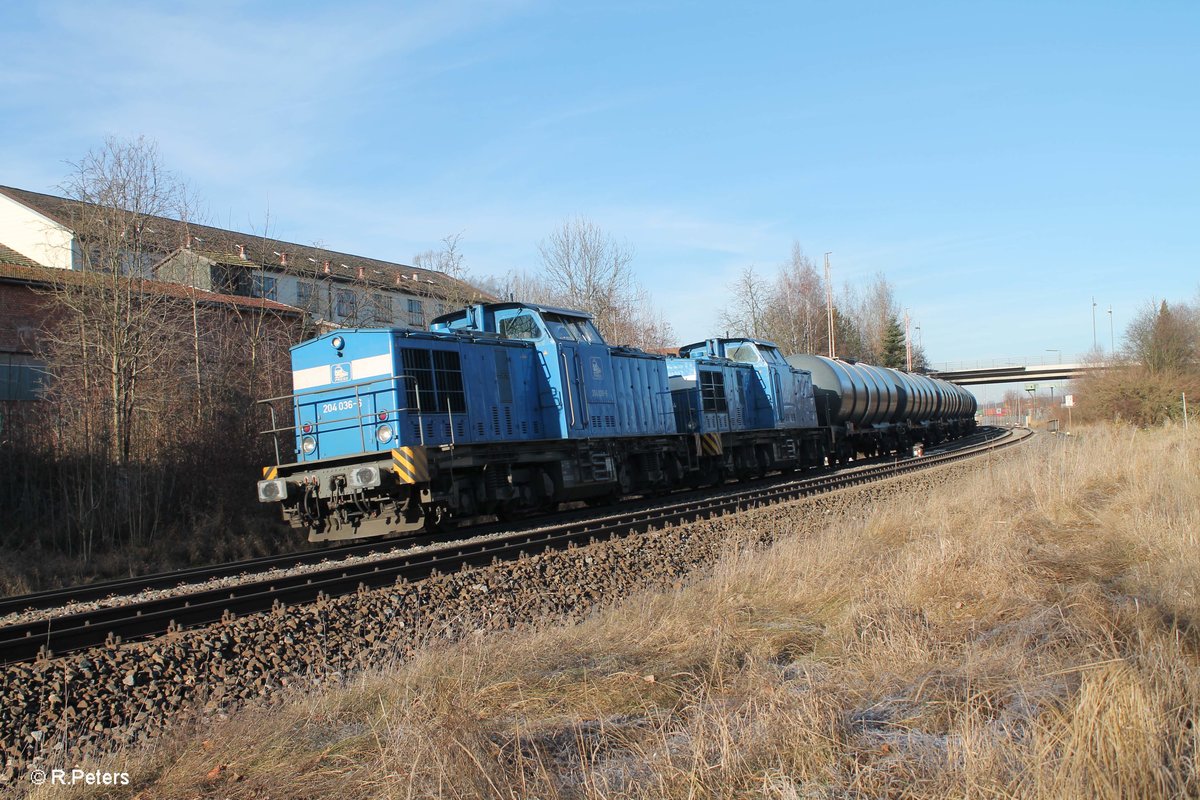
(1000, 162)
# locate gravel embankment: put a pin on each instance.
(54, 713)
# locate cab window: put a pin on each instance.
(559, 328)
(772, 355)
(585, 331)
(744, 353)
(521, 326)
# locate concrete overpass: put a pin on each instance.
(979, 376)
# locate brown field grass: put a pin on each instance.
(1029, 630)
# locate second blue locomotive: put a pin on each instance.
(509, 407)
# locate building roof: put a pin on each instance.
(50, 276)
(10, 256)
(247, 249)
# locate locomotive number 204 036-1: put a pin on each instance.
(340, 405)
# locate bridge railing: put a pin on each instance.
(1045, 360)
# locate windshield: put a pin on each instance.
(745, 353)
(585, 331)
(559, 328)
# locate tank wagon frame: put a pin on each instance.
(507, 408)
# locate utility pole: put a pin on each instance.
(829, 304)
(907, 342)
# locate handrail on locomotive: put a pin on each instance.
(275, 429)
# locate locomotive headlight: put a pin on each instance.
(308, 444)
(338, 342)
(384, 434)
(363, 477)
(272, 491)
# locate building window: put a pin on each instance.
(381, 308)
(416, 313)
(347, 303)
(441, 309)
(228, 279)
(21, 377)
(304, 294)
(263, 286)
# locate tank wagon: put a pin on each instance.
(874, 410)
(506, 408)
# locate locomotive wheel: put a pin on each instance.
(437, 519)
(509, 512)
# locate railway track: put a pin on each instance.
(146, 618)
(192, 579)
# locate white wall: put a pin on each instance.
(34, 236)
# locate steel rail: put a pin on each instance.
(197, 576)
(100, 590)
(84, 630)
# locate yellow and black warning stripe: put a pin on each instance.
(410, 464)
(710, 444)
(270, 473)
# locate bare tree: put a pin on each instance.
(117, 331)
(1165, 338)
(746, 314)
(795, 314)
(518, 285)
(586, 268)
(876, 314)
(455, 289)
(788, 309)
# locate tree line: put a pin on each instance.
(791, 308)
(141, 445)
(1156, 370)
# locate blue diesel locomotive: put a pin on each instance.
(506, 408)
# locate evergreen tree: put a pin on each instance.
(893, 352)
(847, 340)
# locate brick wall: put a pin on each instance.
(22, 313)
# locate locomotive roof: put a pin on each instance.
(764, 342)
(566, 312)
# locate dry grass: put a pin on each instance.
(1027, 631)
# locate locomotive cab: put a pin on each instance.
(788, 390)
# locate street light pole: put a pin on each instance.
(829, 304)
(907, 341)
(1093, 322)
(1112, 342)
